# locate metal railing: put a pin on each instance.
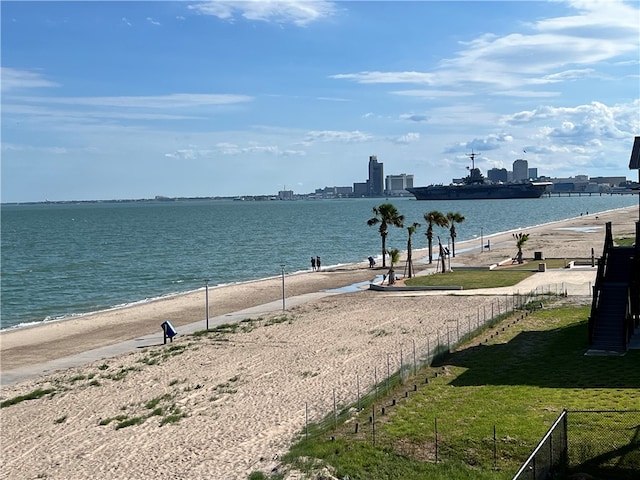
(550, 456)
(603, 443)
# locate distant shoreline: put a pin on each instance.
(271, 198)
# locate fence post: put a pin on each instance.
(335, 414)
(375, 380)
(415, 371)
(373, 424)
(495, 450)
(388, 371)
(435, 429)
(565, 439)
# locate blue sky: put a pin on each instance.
(104, 100)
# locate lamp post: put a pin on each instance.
(206, 300)
(282, 267)
(481, 240)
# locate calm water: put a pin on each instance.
(63, 260)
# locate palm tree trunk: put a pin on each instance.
(384, 249)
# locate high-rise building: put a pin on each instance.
(398, 184)
(533, 173)
(376, 178)
(520, 170)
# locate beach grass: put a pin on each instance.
(471, 279)
(40, 392)
(488, 403)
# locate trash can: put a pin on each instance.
(542, 267)
(538, 256)
(169, 330)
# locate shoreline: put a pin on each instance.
(419, 255)
(49, 340)
(243, 396)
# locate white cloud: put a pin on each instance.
(336, 136)
(176, 100)
(297, 12)
(16, 79)
(153, 22)
(227, 148)
(407, 138)
(387, 77)
(549, 53)
(568, 75)
(432, 94)
(582, 123)
(526, 93)
(490, 142)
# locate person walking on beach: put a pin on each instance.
(318, 263)
(313, 263)
(372, 262)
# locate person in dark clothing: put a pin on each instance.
(313, 263)
(318, 263)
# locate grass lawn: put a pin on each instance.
(624, 241)
(470, 279)
(516, 383)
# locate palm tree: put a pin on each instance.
(386, 214)
(521, 239)
(432, 218)
(453, 218)
(394, 257)
(410, 230)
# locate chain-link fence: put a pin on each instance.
(550, 456)
(603, 444)
(381, 375)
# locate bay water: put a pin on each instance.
(63, 260)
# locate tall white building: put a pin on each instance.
(398, 184)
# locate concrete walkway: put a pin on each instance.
(576, 281)
(20, 374)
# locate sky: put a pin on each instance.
(130, 100)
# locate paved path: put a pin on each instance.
(20, 374)
(576, 281)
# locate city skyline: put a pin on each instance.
(109, 100)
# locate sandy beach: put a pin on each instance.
(240, 398)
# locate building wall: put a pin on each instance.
(376, 177)
(398, 184)
(498, 175)
(361, 189)
(520, 170)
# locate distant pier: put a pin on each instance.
(587, 194)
